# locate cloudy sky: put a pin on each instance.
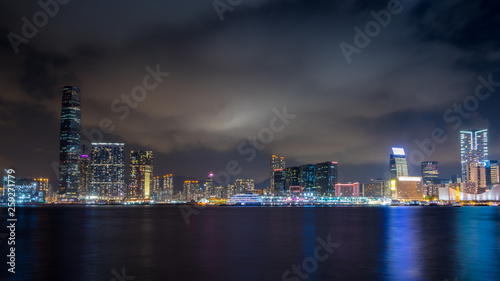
(229, 70)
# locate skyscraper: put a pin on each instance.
(168, 187)
(397, 163)
(492, 172)
(108, 171)
(141, 175)
(292, 178)
(85, 174)
(192, 191)
(473, 148)
(326, 177)
(430, 172)
(69, 141)
(276, 163)
(210, 186)
(476, 173)
(308, 178)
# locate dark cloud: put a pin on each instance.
(227, 77)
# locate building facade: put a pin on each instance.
(430, 172)
(108, 172)
(276, 163)
(326, 178)
(397, 163)
(70, 142)
(140, 181)
(473, 148)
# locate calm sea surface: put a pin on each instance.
(122, 243)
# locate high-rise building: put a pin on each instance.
(141, 175)
(397, 163)
(476, 173)
(492, 173)
(292, 179)
(473, 148)
(107, 164)
(307, 176)
(168, 188)
(430, 172)
(85, 174)
(156, 189)
(326, 178)
(192, 191)
(210, 186)
(279, 182)
(69, 141)
(44, 190)
(244, 185)
(276, 163)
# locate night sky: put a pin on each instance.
(226, 77)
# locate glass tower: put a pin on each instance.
(141, 174)
(398, 164)
(70, 150)
(473, 148)
(326, 177)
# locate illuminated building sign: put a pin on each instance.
(398, 151)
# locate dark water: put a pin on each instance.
(255, 243)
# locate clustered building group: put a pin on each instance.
(100, 176)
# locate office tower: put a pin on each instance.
(492, 173)
(230, 191)
(473, 148)
(141, 175)
(291, 178)
(210, 186)
(430, 172)
(192, 191)
(307, 176)
(277, 163)
(168, 188)
(69, 141)
(398, 164)
(408, 188)
(279, 183)
(347, 189)
(85, 173)
(326, 178)
(373, 188)
(244, 185)
(107, 165)
(43, 190)
(476, 173)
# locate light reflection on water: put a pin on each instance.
(256, 243)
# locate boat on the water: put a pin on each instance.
(246, 199)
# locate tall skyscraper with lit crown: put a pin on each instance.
(69, 142)
(397, 163)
